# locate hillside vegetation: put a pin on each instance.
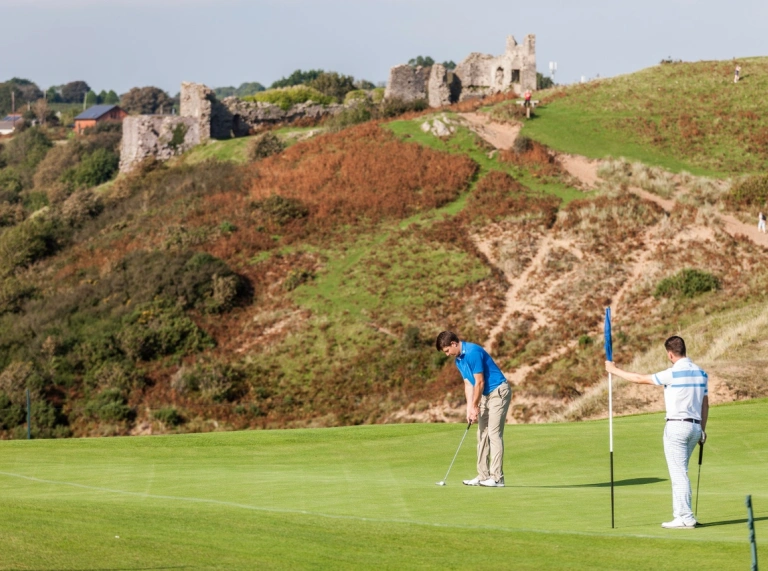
(306, 288)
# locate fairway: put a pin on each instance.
(365, 497)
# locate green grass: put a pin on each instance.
(233, 150)
(685, 116)
(365, 497)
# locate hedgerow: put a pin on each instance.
(287, 97)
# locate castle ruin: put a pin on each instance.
(477, 75)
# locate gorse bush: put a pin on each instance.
(687, 283)
(168, 416)
(281, 210)
(95, 169)
(748, 192)
(264, 145)
(25, 243)
(287, 97)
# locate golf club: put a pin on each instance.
(442, 482)
(698, 480)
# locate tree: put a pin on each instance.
(421, 61)
(101, 96)
(111, 98)
(18, 90)
(40, 108)
(53, 95)
(543, 82)
(298, 77)
(450, 65)
(74, 91)
(249, 88)
(333, 84)
(91, 98)
(365, 84)
(146, 101)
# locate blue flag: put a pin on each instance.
(607, 331)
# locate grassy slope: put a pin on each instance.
(365, 497)
(686, 116)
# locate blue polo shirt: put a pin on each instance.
(474, 359)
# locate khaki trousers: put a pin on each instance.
(490, 433)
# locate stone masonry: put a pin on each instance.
(159, 136)
(203, 117)
(477, 75)
(407, 83)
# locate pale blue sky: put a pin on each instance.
(119, 44)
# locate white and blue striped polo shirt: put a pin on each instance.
(685, 386)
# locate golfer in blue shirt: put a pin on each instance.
(488, 395)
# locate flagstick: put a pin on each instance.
(610, 436)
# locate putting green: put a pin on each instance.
(365, 497)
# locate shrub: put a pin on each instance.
(264, 145)
(333, 84)
(10, 214)
(522, 144)
(59, 160)
(79, 207)
(109, 405)
(11, 185)
(157, 329)
(25, 243)
(358, 95)
(214, 382)
(11, 414)
(117, 375)
(27, 149)
(287, 97)
(377, 95)
(687, 283)
(359, 113)
(12, 293)
(282, 210)
(393, 107)
(169, 416)
(95, 169)
(751, 191)
(297, 277)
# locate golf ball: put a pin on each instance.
(441, 483)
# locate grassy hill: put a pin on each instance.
(682, 116)
(306, 289)
(365, 497)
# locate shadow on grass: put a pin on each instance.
(116, 568)
(730, 522)
(627, 482)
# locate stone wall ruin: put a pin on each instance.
(203, 117)
(477, 75)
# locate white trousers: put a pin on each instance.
(680, 439)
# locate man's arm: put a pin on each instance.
(474, 394)
(469, 392)
(638, 378)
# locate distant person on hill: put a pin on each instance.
(736, 74)
(488, 395)
(687, 403)
(761, 222)
(527, 98)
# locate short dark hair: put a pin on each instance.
(675, 345)
(445, 339)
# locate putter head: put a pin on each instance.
(440, 483)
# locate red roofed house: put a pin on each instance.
(98, 114)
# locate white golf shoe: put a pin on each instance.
(473, 482)
(679, 523)
(491, 483)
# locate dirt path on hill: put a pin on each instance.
(501, 135)
(585, 170)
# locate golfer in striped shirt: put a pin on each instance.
(685, 397)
